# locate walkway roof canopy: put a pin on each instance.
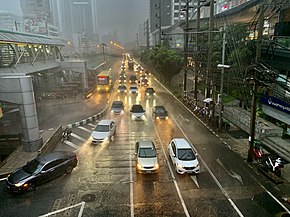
(12, 37)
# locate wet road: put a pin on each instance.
(107, 181)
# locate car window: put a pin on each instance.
(102, 128)
(33, 166)
(52, 164)
(160, 110)
(146, 152)
(185, 154)
(173, 148)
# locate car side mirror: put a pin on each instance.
(173, 155)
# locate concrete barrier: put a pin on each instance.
(51, 142)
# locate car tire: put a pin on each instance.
(68, 170)
(31, 187)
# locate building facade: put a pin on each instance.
(10, 21)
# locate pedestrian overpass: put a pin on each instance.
(22, 57)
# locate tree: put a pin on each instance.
(165, 61)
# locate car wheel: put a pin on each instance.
(69, 170)
(31, 187)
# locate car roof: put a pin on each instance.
(54, 156)
(146, 144)
(181, 143)
(117, 102)
(105, 122)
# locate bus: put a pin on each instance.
(104, 81)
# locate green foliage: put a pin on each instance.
(167, 62)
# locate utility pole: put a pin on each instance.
(147, 34)
(103, 51)
(186, 49)
(255, 87)
(209, 87)
(196, 68)
(160, 30)
(222, 77)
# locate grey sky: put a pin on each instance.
(123, 16)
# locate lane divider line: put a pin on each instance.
(173, 177)
(212, 174)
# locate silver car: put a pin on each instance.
(146, 157)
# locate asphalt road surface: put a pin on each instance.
(105, 182)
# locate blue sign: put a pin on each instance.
(276, 103)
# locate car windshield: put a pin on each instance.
(185, 154)
(149, 90)
(117, 105)
(102, 128)
(122, 87)
(160, 109)
(137, 108)
(133, 88)
(147, 152)
(33, 166)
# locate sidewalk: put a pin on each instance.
(18, 158)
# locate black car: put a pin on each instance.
(41, 169)
(150, 91)
(133, 79)
(159, 112)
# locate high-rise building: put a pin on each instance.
(160, 18)
(10, 21)
(178, 13)
(37, 17)
(77, 20)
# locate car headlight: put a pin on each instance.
(147, 94)
(139, 166)
(179, 166)
(154, 94)
(118, 91)
(156, 166)
(125, 91)
(166, 117)
(19, 184)
(157, 117)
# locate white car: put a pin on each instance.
(137, 111)
(146, 157)
(104, 131)
(183, 156)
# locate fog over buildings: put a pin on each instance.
(115, 17)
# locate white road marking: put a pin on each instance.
(212, 175)
(3, 179)
(78, 137)
(194, 179)
(173, 178)
(84, 129)
(185, 119)
(92, 125)
(131, 179)
(231, 173)
(71, 144)
(82, 204)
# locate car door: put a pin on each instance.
(52, 170)
(172, 151)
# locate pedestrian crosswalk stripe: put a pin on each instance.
(71, 144)
(78, 137)
(85, 129)
(92, 125)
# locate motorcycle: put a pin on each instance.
(258, 151)
(274, 165)
(65, 135)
